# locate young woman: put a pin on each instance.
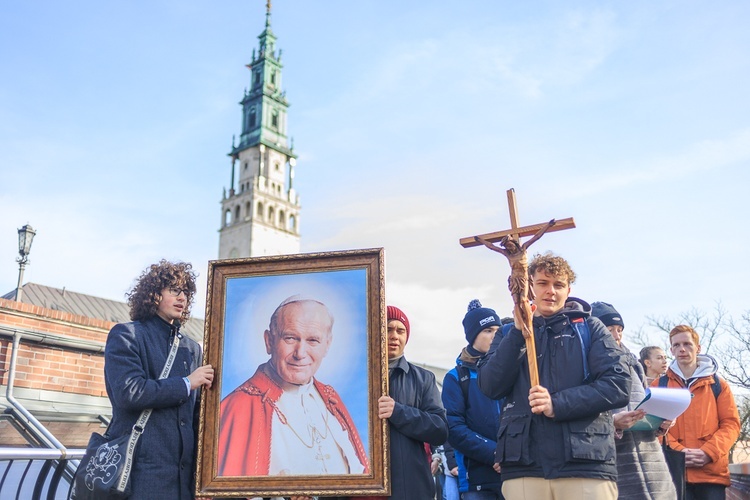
(654, 361)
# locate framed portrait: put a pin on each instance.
(298, 345)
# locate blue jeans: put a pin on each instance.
(450, 491)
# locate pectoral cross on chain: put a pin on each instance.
(518, 282)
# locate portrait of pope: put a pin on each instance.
(283, 420)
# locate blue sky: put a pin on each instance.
(410, 119)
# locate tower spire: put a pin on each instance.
(261, 210)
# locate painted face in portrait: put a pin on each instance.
(301, 342)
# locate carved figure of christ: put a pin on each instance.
(518, 282)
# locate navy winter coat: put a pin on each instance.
(134, 356)
(579, 440)
(418, 418)
(473, 423)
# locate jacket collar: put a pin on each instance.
(574, 308)
(399, 363)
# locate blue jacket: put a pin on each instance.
(473, 424)
(579, 440)
(134, 357)
(418, 418)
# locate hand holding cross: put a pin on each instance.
(518, 282)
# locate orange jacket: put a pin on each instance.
(711, 424)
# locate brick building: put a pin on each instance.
(58, 375)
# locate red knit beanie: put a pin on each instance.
(397, 314)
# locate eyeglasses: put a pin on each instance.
(175, 292)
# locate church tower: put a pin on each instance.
(260, 210)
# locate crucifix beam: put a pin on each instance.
(518, 283)
(519, 232)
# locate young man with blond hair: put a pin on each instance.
(706, 431)
(556, 439)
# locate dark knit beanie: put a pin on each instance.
(607, 314)
(394, 312)
(477, 319)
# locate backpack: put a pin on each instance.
(578, 324)
(715, 387)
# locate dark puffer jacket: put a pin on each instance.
(579, 441)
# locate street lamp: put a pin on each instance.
(25, 237)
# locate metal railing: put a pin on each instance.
(36, 473)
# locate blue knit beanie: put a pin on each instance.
(477, 319)
(607, 314)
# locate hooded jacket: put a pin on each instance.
(472, 427)
(579, 441)
(709, 423)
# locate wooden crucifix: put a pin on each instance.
(518, 282)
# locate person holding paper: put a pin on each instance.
(706, 431)
(642, 471)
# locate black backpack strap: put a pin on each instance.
(716, 386)
(464, 376)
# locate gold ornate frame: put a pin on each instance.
(286, 275)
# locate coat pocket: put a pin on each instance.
(513, 440)
(592, 440)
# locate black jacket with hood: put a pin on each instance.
(579, 440)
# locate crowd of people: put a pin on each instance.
(490, 435)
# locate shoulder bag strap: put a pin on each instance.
(140, 424)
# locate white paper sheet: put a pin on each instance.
(665, 402)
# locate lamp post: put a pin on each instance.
(25, 237)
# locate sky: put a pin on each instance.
(411, 120)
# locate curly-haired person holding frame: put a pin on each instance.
(134, 356)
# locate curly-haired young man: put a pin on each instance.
(556, 439)
(134, 356)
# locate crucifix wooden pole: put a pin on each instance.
(518, 282)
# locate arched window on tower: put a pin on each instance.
(292, 223)
(237, 214)
(248, 211)
(271, 216)
(282, 219)
(227, 218)
(251, 119)
(259, 212)
(275, 119)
